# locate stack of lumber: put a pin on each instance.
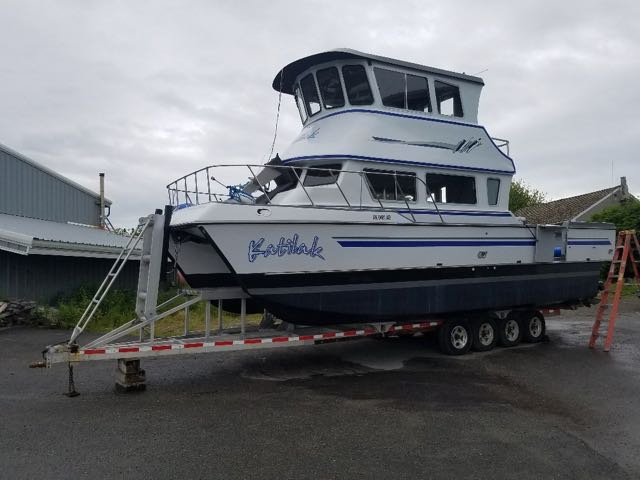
(15, 311)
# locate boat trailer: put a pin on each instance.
(118, 344)
(149, 238)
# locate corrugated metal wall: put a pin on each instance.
(44, 277)
(31, 192)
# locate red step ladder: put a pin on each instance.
(627, 248)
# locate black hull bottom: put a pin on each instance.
(358, 297)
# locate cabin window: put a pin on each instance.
(451, 188)
(330, 87)
(418, 93)
(493, 190)
(400, 90)
(357, 85)
(392, 88)
(322, 175)
(300, 104)
(310, 95)
(448, 98)
(391, 185)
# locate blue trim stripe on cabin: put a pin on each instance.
(423, 119)
(336, 156)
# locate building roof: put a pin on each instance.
(564, 209)
(53, 173)
(291, 71)
(31, 236)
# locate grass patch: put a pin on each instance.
(629, 290)
(118, 307)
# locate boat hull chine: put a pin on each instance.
(354, 297)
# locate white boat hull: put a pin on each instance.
(320, 272)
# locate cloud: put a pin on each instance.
(148, 91)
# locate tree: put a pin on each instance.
(523, 195)
(625, 216)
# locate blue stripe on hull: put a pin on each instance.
(435, 243)
(589, 242)
(465, 213)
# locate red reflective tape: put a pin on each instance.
(128, 349)
(193, 345)
(407, 326)
(329, 335)
(350, 333)
(306, 337)
(370, 331)
(95, 351)
(280, 339)
(223, 343)
(161, 347)
(252, 341)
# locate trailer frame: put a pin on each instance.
(117, 344)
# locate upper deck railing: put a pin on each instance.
(502, 144)
(201, 186)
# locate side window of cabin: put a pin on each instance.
(310, 94)
(322, 175)
(402, 90)
(391, 185)
(300, 104)
(330, 87)
(357, 85)
(451, 188)
(448, 99)
(391, 86)
(418, 93)
(493, 190)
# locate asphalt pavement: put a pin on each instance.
(393, 408)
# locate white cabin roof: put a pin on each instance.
(287, 75)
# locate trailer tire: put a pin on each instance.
(485, 334)
(455, 337)
(533, 326)
(509, 330)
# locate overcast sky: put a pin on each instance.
(148, 91)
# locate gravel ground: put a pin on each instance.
(367, 409)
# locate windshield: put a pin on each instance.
(300, 103)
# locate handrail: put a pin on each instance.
(190, 190)
(404, 197)
(500, 143)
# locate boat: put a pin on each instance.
(391, 203)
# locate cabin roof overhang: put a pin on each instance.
(286, 77)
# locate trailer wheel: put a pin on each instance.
(509, 331)
(534, 327)
(485, 334)
(455, 337)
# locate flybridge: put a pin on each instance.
(344, 78)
